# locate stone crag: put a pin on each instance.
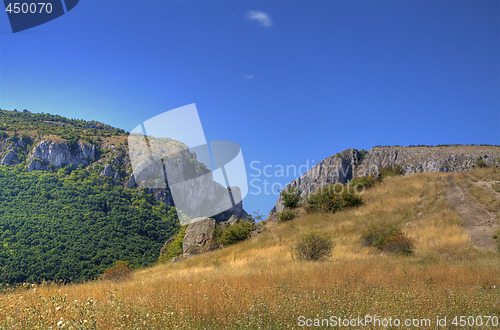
(59, 154)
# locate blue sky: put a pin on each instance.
(291, 82)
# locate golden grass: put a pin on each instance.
(257, 284)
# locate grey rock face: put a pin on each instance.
(351, 163)
(199, 235)
(131, 182)
(10, 158)
(427, 159)
(109, 172)
(196, 192)
(337, 168)
(38, 165)
(58, 153)
(234, 220)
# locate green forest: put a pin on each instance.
(66, 225)
(45, 123)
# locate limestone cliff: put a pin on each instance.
(59, 153)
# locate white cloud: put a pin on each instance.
(262, 18)
(247, 76)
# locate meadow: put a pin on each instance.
(259, 284)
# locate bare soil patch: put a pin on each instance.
(479, 224)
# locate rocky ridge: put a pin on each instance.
(352, 163)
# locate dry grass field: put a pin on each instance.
(258, 284)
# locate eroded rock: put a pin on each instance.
(199, 236)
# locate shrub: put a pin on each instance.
(13, 138)
(290, 198)
(387, 237)
(496, 237)
(119, 271)
(398, 244)
(313, 245)
(365, 181)
(481, 163)
(174, 248)
(72, 144)
(234, 233)
(286, 215)
(26, 138)
(3, 135)
(332, 198)
(390, 171)
(376, 234)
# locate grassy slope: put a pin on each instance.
(256, 283)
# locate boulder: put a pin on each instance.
(199, 236)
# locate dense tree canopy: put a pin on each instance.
(55, 226)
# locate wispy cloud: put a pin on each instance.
(247, 76)
(262, 18)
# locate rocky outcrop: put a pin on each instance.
(351, 163)
(109, 172)
(59, 153)
(337, 168)
(10, 158)
(191, 186)
(131, 182)
(199, 235)
(234, 211)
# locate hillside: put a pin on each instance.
(258, 284)
(70, 205)
(66, 211)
